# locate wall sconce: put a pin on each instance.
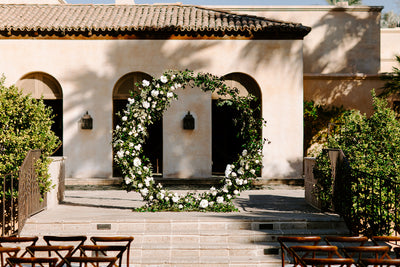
(188, 122)
(86, 122)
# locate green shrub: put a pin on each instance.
(316, 120)
(25, 124)
(372, 148)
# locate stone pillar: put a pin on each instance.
(187, 153)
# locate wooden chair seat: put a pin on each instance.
(287, 241)
(92, 261)
(320, 255)
(33, 261)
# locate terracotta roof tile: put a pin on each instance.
(128, 19)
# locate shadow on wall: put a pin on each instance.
(350, 44)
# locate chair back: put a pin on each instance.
(75, 241)
(116, 241)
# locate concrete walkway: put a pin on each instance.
(276, 202)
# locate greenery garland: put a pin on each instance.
(148, 106)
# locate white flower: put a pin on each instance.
(163, 79)
(131, 100)
(235, 192)
(120, 154)
(144, 191)
(241, 171)
(160, 196)
(211, 203)
(131, 144)
(257, 161)
(239, 181)
(244, 181)
(146, 104)
(137, 147)
(203, 203)
(146, 83)
(155, 93)
(252, 171)
(117, 127)
(151, 198)
(124, 118)
(228, 170)
(137, 162)
(244, 153)
(180, 206)
(128, 180)
(172, 88)
(229, 196)
(140, 185)
(220, 199)
(166, 199)
(127, 152)
(233, 174)
(170, 94)
(175, 199)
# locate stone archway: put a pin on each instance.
(225, 143)
(40, 84)
(122, 91)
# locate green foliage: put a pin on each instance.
(372, 147)
(316, 122)
(25, 124)
(392, 82)
(351, 2)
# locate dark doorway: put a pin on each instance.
(226, 145)
(153, 148)
(57, 127)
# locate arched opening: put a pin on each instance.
(153, 148)
(40, 84)
(226, 146)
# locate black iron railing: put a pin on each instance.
(370, 204)
(21, 196)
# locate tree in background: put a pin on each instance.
(351, 2)
(390, 20)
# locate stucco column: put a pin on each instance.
(187, 153)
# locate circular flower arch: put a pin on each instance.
(148, 106)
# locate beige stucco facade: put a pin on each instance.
(88, 70)
(390, 48)
(341, 54)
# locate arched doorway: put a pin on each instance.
(226, 146)
(40, 84)
(153, 149)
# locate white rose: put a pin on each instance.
(175, 199)
(235, 192)
(166, 199)
(120, 154)
(170, 94)
(128, 180)
(220, 199)
(146, 83)
(131, 144)
(140, 185)
(137, 162)
(131, 100)
(163, 79)
(137, 147)
(203, 203)
(117, 127)
(146, 104)
(144, 191)
(155, 93)
(124, 118)
(229, 196)
(244, 153)
(180, 206)
(252, 171)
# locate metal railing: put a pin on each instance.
(21, 196)
(370, 204)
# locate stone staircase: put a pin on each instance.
(245, 238)
(194, 241)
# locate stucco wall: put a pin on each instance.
(341, 53)
(390, 39)
(87, 71)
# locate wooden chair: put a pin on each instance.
(6, 252)
(17, 241)
(75, 241)
(392, 241)
(32, 261)
(367, 252)
(324, 255)
(61, 252)
(295, 240)
(103, 251)
(92, 261)
(116, 241)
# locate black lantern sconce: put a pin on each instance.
(188, 122)
(86, 122)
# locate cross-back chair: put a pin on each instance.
(392, 241)
(117, 241)
(6, 252)
(324, 255)
(287, 241)
(32, 261)
(61, 252)
(75, 241)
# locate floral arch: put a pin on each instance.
(148, 106)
